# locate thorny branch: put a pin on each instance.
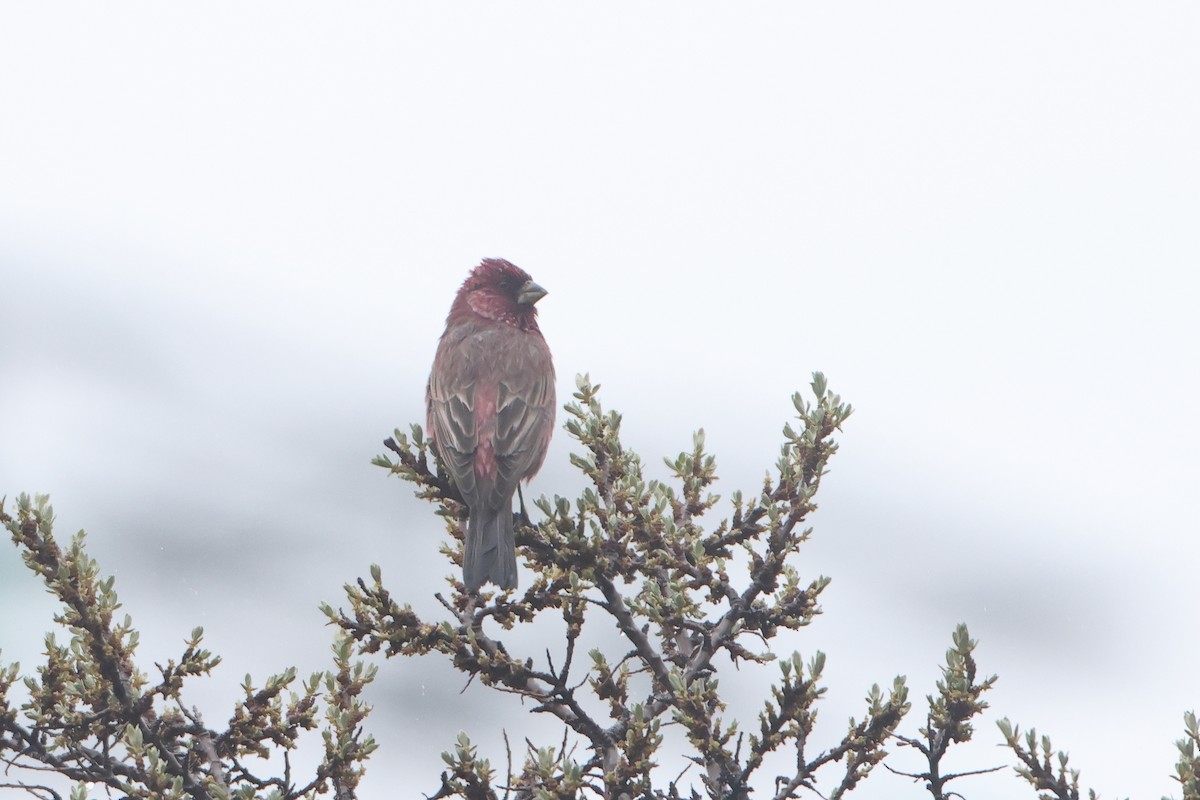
(949, 719)
(95, 718)
(636, 549)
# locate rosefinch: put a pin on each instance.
(490, 409)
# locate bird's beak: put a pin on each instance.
(530, 293)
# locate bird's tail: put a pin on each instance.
(491, 553)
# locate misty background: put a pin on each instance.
(229, 237)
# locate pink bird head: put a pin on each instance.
(498, 290)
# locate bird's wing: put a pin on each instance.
(524, 418)
(451, 421)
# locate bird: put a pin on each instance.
(490, 409)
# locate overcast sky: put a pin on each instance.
(229, 238)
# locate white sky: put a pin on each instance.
(229, 238)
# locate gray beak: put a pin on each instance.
(530, 293)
